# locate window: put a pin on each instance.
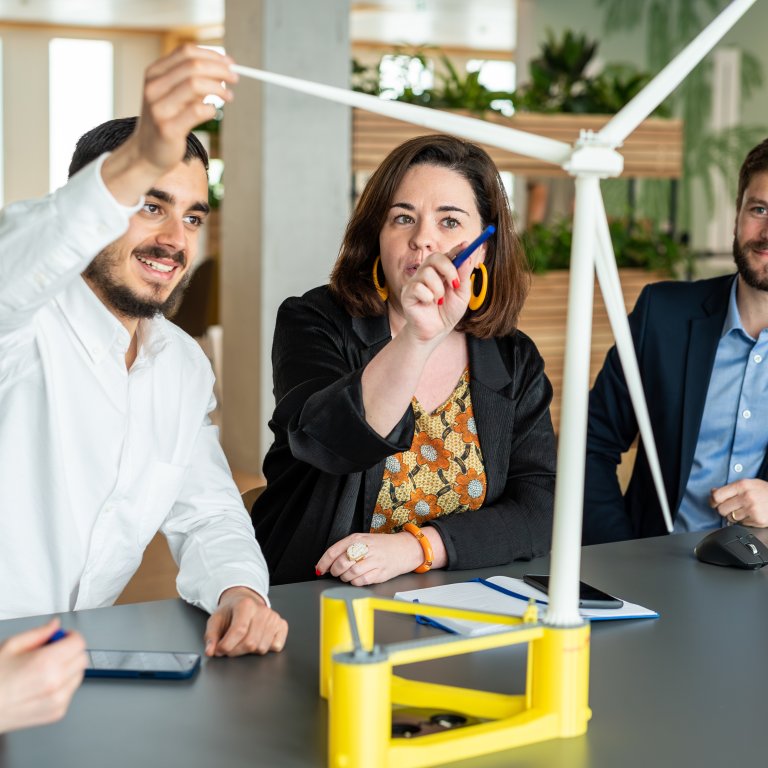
(80, 97)
(496, 76)
(396, 73)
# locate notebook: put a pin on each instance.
(501, 594)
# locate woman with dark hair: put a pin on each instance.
(412, 426)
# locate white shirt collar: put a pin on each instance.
(100, 332)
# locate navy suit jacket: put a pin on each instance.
(676, 328)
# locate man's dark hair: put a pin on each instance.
(755, 162)
(110, 135)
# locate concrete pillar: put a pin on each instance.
(525, 50)
(287, 195)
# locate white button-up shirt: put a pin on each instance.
(94, 459)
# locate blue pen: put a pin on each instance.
(59, 634)
(427, 622)
(476, 243)
(508, 592)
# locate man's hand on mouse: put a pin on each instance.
(744, 502)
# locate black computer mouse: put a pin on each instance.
(733, 545)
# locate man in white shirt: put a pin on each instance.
(104, 429)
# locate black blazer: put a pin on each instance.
(676, 328)
(325, 467)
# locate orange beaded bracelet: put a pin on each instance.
(414, 530)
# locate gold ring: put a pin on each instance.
(357, 551)
(733, 518)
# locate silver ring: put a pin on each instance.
(357, 551)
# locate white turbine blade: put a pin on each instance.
(608, 276)
(473, 129)
(635, 111)
(563, 607)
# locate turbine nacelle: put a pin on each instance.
(593, 156)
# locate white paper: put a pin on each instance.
(474, 595)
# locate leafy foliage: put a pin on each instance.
(453, 90)
(560, 81)
(636, 244)
(365, 79)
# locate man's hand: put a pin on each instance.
(243, 623)
(37, 681)
(174, 89)
(745, 502)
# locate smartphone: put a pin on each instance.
(163, 665)
(589, 597)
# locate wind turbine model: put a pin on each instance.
(592, 158)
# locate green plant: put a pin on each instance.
(560, 80)
(466, 91)
(213, 128)
(616, 85)
(452, 89)
(636, 244)
(365, 79)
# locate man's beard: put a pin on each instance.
(753, 277)
(121, 299)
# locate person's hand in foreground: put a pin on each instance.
(37, 681)
(244, 623)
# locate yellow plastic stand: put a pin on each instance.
(357, 679)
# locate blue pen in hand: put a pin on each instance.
(476, 243)
(59, 634)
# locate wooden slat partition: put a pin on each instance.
(544, 320)
(655, 148)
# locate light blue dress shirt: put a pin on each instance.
(733, 436)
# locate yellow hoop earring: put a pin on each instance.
(381, 287)
(476, 300)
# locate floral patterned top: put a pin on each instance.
(442, 473)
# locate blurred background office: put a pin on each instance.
(286, 167)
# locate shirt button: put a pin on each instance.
(737, 467)
(758, 358)
(747, 414)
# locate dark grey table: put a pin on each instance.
(686, 689)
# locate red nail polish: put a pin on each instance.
(318, 572)
(440, 301)
(455, 284)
